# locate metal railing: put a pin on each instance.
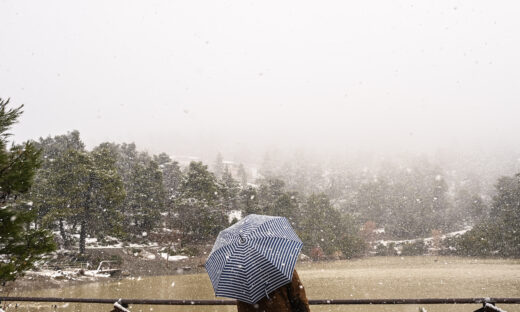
(489, 304)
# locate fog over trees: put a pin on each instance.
(376, 128)
(117, 192)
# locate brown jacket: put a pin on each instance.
(288, 298)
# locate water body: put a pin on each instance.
(378, 277)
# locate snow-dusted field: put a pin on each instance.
(374, 277)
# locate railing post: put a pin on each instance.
(120, 307)
(489, 307)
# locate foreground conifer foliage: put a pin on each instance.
(21, 245)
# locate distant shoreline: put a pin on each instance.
(132, 266)
(136, 267)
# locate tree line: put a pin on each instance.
(407, 199)
(56, 185)
(496, 234)
(114, 190)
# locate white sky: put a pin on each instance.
(195, 77)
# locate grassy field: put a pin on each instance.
(412, 277)
(377, 277)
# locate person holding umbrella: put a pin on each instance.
(288, 298)
(253, 261)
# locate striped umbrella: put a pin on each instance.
(253, 257)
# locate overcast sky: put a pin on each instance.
(195, 77)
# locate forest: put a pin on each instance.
(57, 193)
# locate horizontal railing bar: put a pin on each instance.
(233, 302)
(417, 301)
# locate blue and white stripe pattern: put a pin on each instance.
(253, 257)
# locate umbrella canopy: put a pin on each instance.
(253, 257)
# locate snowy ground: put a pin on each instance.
(135, 259)
(153, 258)
(112, 242)
(427, 240)
(68, 274)
(172, 258)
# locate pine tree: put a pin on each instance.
(274, 200)
(242, 175)
(20, 244)
(200, 215)
(47, 197)
(109, 195)
(162, 159)
(85, 189)
(143, 180)
(324, 227)
(172, 179)
(218, 167)
(498, 234)
(249, 201)
(230, 190)
(318, 226)
(145, 196)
